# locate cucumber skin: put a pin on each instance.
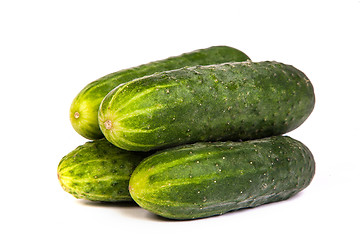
(88, 100)
(208, 179)
(98, 171)
(224, 102)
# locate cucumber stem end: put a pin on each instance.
(108, 124)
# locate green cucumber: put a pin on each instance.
(207, 179)
(98, 171)
(84, 108)
(229, 101)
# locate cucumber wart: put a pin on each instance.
(207, 179)
(84, 108)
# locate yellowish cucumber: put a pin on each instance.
(84, 108)
(98, 171)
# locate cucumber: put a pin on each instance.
(207, 179)
(84, 108)
(224, 102)
(98, 171)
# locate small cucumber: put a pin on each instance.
(84, 108)
(207, 179)
(229, 101)
(98, 171)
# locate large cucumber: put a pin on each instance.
(206, 179)
(229, 101)
(98, 171)
(84, 108)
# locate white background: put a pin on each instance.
(49, 50)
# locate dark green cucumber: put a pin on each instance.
(229, 101)
(98, 171)
(84, 108)
(207, 179)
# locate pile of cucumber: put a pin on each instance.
(192, 136)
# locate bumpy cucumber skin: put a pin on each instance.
(207, 179)
(98, 171)
(84, 108)
(229, 101)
